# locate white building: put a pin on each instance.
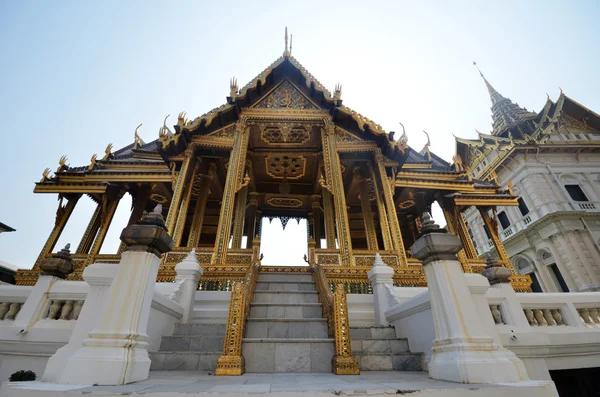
(552, 160)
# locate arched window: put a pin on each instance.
(544, 256)
(523, 265)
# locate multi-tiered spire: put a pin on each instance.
(505, 114)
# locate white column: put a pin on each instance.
(99, 277)
(188, 274)
(463, 351)
(381, 277)
(115, 352)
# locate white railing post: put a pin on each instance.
(381, 277)
(463, 350)
(99, 277)
(116, 350)
(188, 274)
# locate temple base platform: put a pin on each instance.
(194, 383)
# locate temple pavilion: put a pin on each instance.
(282, 146)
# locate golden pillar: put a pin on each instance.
(90, 232)
(317, 212)
(329, 214)
(492, 226)
(183, 207)
(239, 218)
(333, 172)
(63, 213)
(198, 219)
(233, 181)
(109, 206)
(367, 212)
(383, 219)
(178, 191)
(250, 222)
(452, 228)
(388, 195)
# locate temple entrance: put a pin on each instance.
(284, 241)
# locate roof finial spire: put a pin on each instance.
(291, 37)
(286, 53)
(481, 74)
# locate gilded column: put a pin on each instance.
(367, 213)
(109, 206)
(388, 195)
(90, 232)
(329, 214)
(250, 223)
(178, 191)
(317, 219)
(383, 219)
(198, 219)
(333, 173)
(258, 224)
(63, 213)
(233, 181)
(239, 218)
(462, 256)
(493, 229)
(183, 207)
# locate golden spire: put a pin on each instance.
(291, 37)
(286, 52)
(137, 141)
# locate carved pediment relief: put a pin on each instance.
(284, 133)
(285, 96)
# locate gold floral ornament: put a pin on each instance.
(458, 163)
(233, 90)
(93, 161)
(45, 175)
(181, 119)
(108, 152)
(62, 164)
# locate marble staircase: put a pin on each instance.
(378, 349)
(192, 347)
(285, 331)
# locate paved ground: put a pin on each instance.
(193, 381)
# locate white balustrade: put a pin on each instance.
(508, 232)
(527, 220)
(9, 310)
(61, 309)
(587, 206)
(497, 314)
(544, 317)
(590, 316)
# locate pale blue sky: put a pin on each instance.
(78, 75)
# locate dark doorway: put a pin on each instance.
(581, 382)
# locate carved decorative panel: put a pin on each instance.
(284, 202)
(284, 133)
(285, 96)
(277, 164)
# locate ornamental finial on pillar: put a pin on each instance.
(58, 265)
(495, 272)
(148, 234)
(434, 243)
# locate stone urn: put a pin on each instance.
(148, 234)
(495, 272)
(59, 264)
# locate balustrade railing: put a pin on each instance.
(590, 316)
(232, 361)
(64, 309)
(9, 310)
(544, 317)
(335, 309)
(587, 206)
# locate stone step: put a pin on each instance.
(389, 362)
(357, 333)
(180, 361)
(379, 346)
(262, 296)
(288, 355)
(286, 310)
(286, 328)
(286, 285)
(291, 277)
(199, 330)
(204, 344)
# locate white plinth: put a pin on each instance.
(381, 277)
(99, 277)
(462, 351)
(115, 353)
